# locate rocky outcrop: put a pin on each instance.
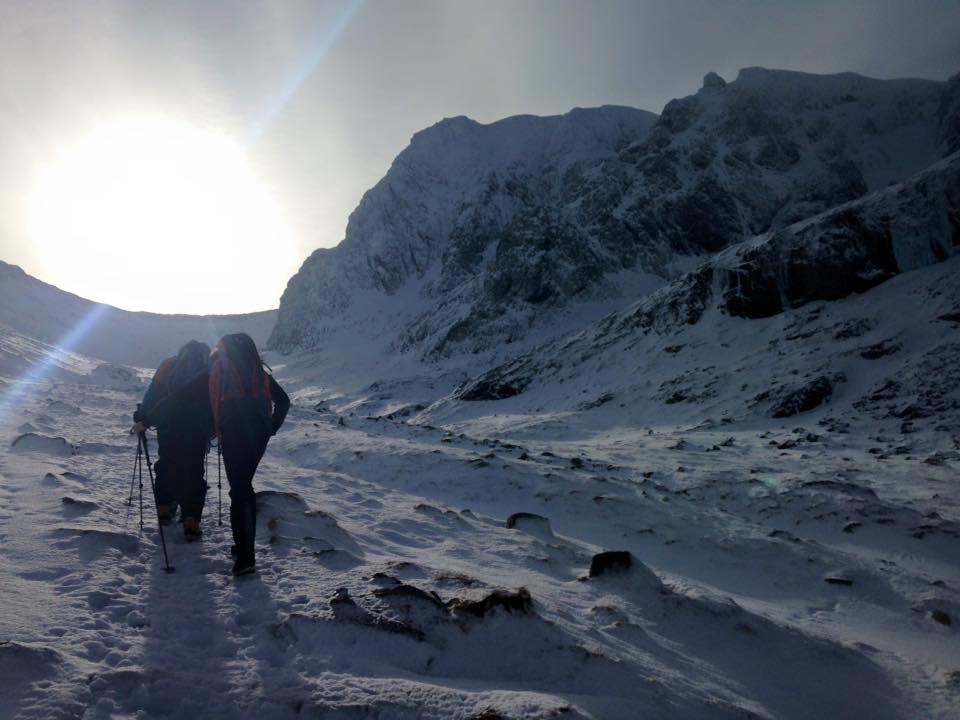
(805, 397)
(847, 250)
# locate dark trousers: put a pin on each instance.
(166, 497)
(242, 448)
(180, 472)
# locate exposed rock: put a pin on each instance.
(529, 521)
(839, 580)
(612, 561)
(409, 592)
(806, 397)
(941, 458)
(486, 388)
(601, 400)
(941, 617)
(881, 349)
(512, 602)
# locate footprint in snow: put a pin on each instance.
(287, 520)
(22, 665)
(93, 544)
(63, 408)
(74, 508)
(43, 444)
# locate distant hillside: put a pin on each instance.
(44, 312)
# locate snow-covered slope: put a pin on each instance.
(46, 313)
(460, 570)
(493, 232)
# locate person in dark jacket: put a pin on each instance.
(182, 439)
(248, 407)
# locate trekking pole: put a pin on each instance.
(219, 488)
(140, 468)
(133, 480)
(163, 542)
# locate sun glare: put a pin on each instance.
(150, 213)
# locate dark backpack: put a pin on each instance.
(192, 360)
(175, 372)
(239, 386)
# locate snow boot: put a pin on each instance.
(244, 563)
(165, 514)
(244, 567)
(191, 529)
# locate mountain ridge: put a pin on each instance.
(45, 312)
(496, 255)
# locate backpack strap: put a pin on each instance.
(163, 372)
(215, 389)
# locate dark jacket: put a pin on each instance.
(195, 394)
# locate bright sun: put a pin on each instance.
(150, 213)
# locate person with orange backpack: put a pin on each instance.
(182, 439)
(248, 407)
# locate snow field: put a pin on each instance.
(382, 543)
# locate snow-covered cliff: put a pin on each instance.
(490, 233)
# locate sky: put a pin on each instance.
(188, 156)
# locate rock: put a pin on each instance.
(489, 714)
(912, 412)
(409, 591)
(881, 349)
(511, 602)
(806, 397)
(839, 579)
(488, 388)
(530, 522)
(601, 400)
(612, 561)
(941, 617)
(941, 458)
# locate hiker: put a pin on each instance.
(182, 439)
(248, 407)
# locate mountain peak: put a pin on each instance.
(712, 80)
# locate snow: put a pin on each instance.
(776, 565)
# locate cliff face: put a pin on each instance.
(844, 251)
(498, 230)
